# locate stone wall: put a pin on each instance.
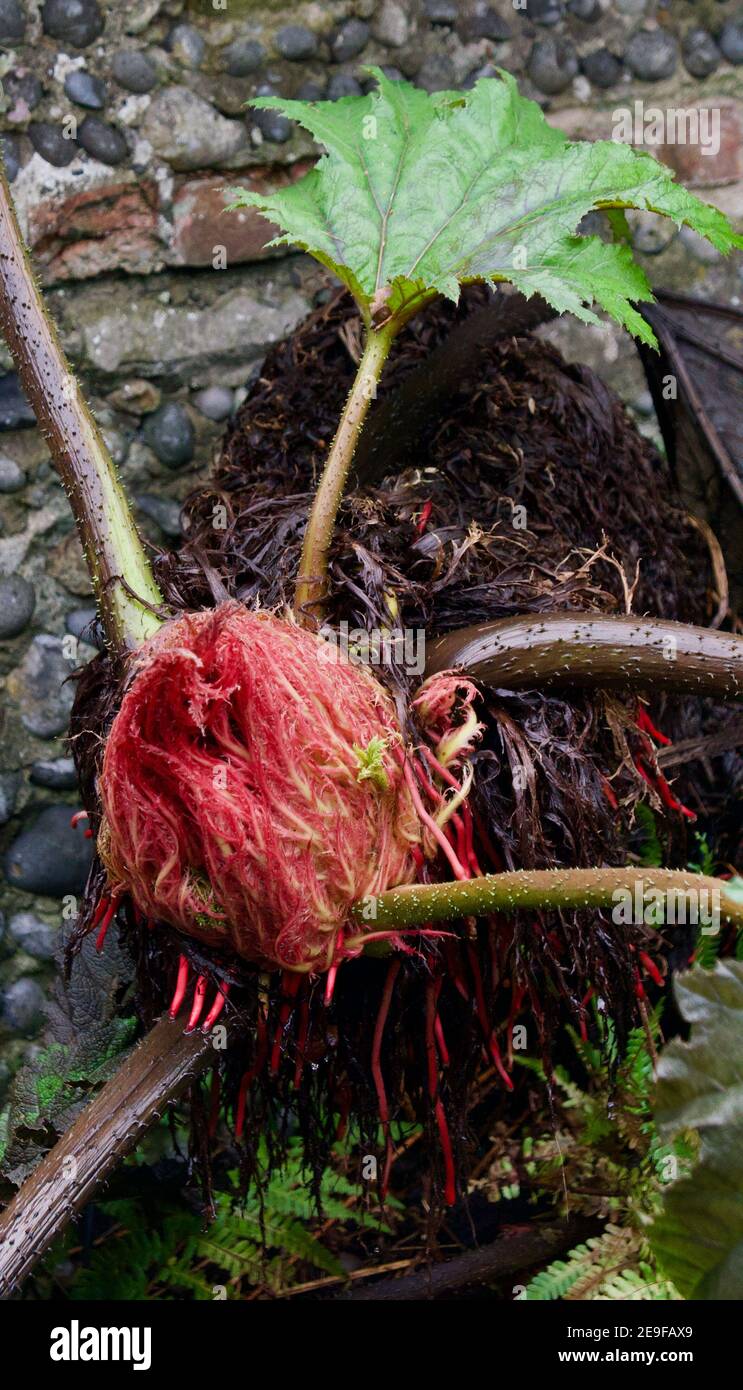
(123, 123)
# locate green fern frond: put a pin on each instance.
(651, 851)
(607, 1267)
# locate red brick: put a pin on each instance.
(112, 227)
(699, 170)
(201, 222)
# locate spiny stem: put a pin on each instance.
(154, 1075)
(535, 889)
(572, 649)
(313, 566)
(122, 579)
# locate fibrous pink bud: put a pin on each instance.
(232, 803)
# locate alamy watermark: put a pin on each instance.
(398, 646)
(673, 125)
(674, 907)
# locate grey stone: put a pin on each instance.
(643, 405)
(310, 91)
(485, 23)
(545, 12)
(32, 935)
(103, 141)
(296, 43)
(601, 67)
(342, 84)
(41, 687)
(699, 247)
(170, 434)
(12, 476)
(162, 510)
(11, 152)
(731, 40)
(391, 25)
(701, 54)
(85, 89)
(586, 10)
(631, 7)
(77, 22)
(274, 127)
(652, 54)
(10, 785)
(188, 133)
(125, 328)
(12, 20)
(134, 71)
(552, 65)
(349, 40)
(441, 11)
(136, 397)
(187, 45)
(140, 465)
(215, 402)
(50, 857)
(56, 773)
(651, 234)
(52, 144)
(17, 603)
(436, 74)
(15, 411)
(242, 57)
(23, 1007)
(23, 86)
(83, 623)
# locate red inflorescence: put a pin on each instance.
(232, 798)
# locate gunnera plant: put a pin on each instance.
(291, 844)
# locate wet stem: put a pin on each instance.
(312, 579)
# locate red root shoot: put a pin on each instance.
(199, 995)
(450, 1181)
(216, 1008)
(376, 1068)
(180, 987)
(113, 903)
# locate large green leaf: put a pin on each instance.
(421, 193)
(698, 1239)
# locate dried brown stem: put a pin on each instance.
(155, 1074)
(504, 1257)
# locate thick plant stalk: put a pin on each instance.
(153, 1075)
(574, 649)
(122, 580)
(312, 578)
(535, 889)
(159, 1069)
